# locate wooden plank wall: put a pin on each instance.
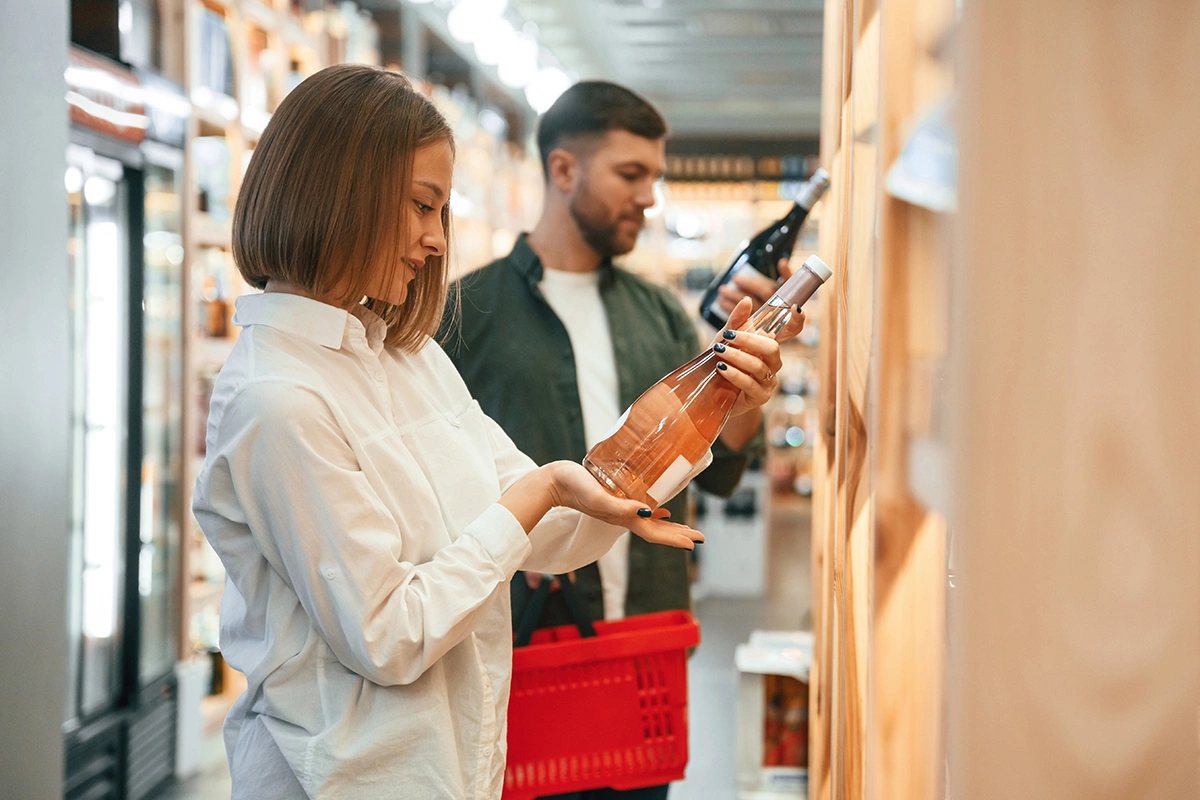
(1076, 366)
(1060, 304)
(876, 708)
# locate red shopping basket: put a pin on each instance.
(610, 710)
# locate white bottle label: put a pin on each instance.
(676, 474)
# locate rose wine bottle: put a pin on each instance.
(665, 435)
(764, 252)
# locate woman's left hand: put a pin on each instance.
(751, 361)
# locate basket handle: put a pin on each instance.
(533, 611)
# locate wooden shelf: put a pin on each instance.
(207, 232)
(211, 121)
(256, 13)
(212, 351)
(204, 593)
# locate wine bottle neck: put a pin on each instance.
(795, 292)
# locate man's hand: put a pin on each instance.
(753, 284)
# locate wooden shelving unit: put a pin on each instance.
(879, 550)
(271, 45)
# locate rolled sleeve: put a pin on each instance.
(502, 536)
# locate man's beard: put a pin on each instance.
(601, 235)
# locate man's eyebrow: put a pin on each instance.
(433, 187)
(640, 167)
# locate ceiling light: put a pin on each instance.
(545, 88)
(491, 44)
(518, 64)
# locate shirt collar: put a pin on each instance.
(328, 326)
(526, 263)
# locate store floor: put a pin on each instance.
(725, 622)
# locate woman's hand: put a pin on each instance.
(751, 361)
(574, 487)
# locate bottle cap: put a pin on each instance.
(819, 267)
(813, 189)
(804, 282)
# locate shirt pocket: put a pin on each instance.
(455, 454)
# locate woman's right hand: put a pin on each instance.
(574, 487)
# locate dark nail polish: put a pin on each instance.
(720, 348)
(730, 335)
(722, 366)
(645, 513)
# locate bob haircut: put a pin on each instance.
(325, 201)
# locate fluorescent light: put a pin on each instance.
(121, 119)
(99, 191)
(470, 19)
(73, 179)
(518, 65)
(491, 43)
(545, 88)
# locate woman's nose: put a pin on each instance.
(435, 239)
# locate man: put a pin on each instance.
(555, 342)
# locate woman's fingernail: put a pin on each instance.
(722, 366)
(720, 348)
(731, 335)
(645, 513)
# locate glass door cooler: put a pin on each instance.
(123, 180)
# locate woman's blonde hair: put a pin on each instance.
(324, 203)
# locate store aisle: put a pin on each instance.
(726, 622)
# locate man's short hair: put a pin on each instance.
(589, 109)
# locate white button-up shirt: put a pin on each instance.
(350, 491)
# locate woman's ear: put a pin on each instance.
(563, 168)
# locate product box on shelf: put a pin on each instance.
(772, 715)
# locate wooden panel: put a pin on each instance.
(833, 92)
(876, 705)
(1076, 362)
(909, 580)
(824, 501)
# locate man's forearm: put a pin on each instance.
(741, 429)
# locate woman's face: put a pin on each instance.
(433, 167)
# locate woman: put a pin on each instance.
(368, 514)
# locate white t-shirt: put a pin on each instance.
(575, 298)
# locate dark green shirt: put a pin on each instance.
(515, 356)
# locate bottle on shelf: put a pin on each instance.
(764, 252)
(665, 435)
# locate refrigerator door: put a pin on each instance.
(98, 257)
(162, 409)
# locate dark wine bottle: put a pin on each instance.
(766, 249)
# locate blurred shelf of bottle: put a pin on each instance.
(241, 58)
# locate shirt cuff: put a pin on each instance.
(502, 536)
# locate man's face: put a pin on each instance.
(615, 187)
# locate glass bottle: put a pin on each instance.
(664, 436)
(768, 247)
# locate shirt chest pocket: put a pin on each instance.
(455, 455)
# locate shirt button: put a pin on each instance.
(487, 751)
(329, 573)
(379, 376)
